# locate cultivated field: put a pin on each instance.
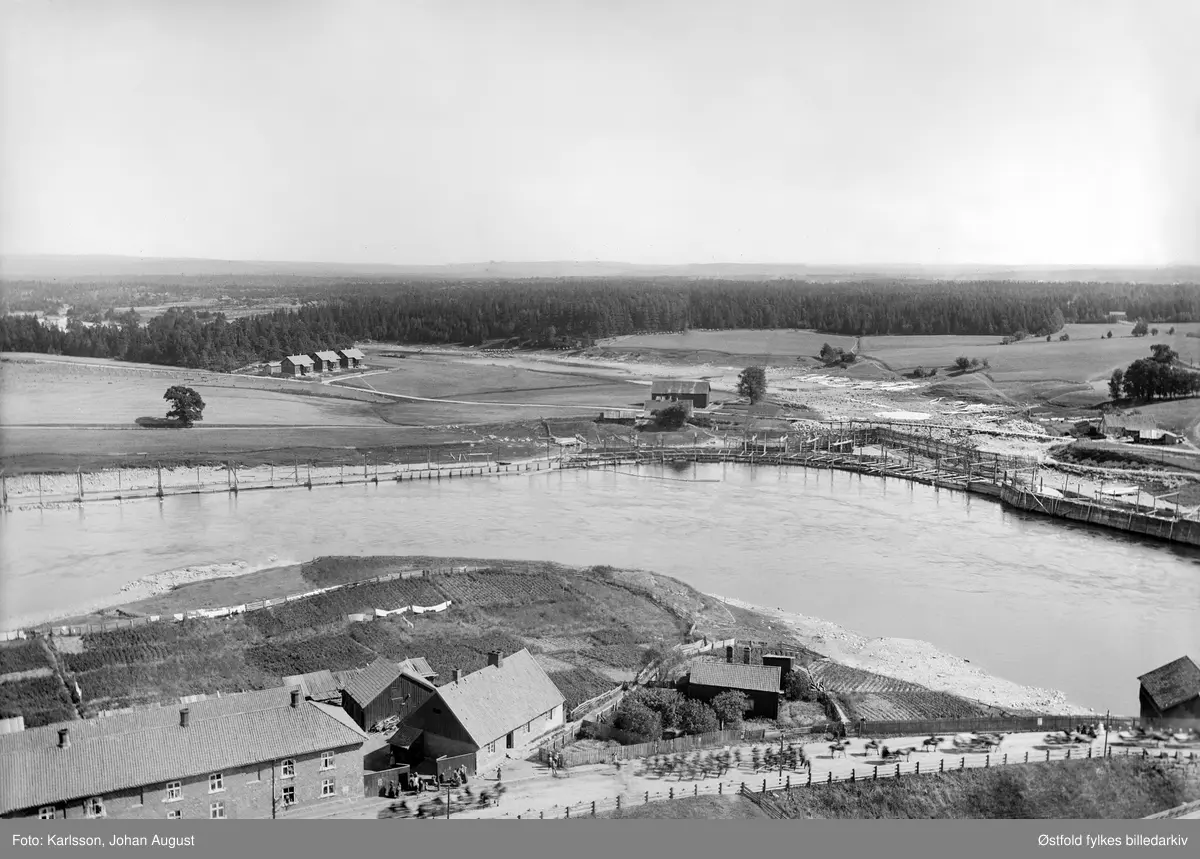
(608, 627)
(1085, 357)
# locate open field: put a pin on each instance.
(1085, 357)
(784, 346)
(691, 808)
(1107, 789)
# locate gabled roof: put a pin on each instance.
(369, 683)
(735, 675)
(319, 685)
(325, 356)
(492, 702)
(1173, 683)
(352, 353)
(298, 359)
(1128, 422)
(419, 666)
(149, 747)
(675, 386)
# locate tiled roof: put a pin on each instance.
(149, 747)
(352, 353)
(735, 675)
(491, 702)
(1173, 683)
(319, 685)
(326, 356)
(674, 386)
(298, 359)
(1112, 423)
(369, 683)
(419, 666)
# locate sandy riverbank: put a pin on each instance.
(152, 585)
(914, 661)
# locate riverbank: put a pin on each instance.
(915, 661)
(207, 585)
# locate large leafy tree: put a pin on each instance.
(752, 383)
(730, 706)
(187, 406)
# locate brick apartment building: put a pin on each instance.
(252, 755)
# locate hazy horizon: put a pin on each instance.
(873, 135)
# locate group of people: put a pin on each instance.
(557, 762)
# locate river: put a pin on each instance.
(1037, 601)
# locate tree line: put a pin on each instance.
(1158, 377)
(576, 312)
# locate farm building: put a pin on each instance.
(296, 365)
(761, 683)
(418, 666)
(1157, 436)
(317, 686)
(325, 362)
(239, 756)
(350, 359)
(1127, 426)
(697, 393)
(273, 368)
(1171, 691)
(472, 720)
(381, 690)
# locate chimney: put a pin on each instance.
(183, 717)
(457, 674)
(729, 653)
(746, 655)
(494, 658)
(64, 738)
(295, 698)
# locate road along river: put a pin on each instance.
(1034, 600)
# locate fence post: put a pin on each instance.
(568, 811)
(648, 794)
(1006, 757)
(764, 789)
(942, 765)
(672, 793)
(1027, 757)
(1089, 751)
(618, 802)
(852, 775)
(1068, 754)
(963, 763)
(987, 761)
(1047, 755)
(593, 808)
(721, 787)
(918, 767)
(830, 781)
(695, 790)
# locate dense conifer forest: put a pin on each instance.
(549, 312)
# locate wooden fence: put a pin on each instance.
(766, 790)
(716, 739)
(373, 782)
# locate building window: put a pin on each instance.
(289, 795)
(216, 811)
(327, 787)
(491, 748)
(215, 783)
(95, 808)
(175, 814)
(327, 761)
(174, 791)
(289, 769)
(46, 812)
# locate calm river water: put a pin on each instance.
(1033, 600)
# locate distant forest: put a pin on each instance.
(570, 312)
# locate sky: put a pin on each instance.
(645, 131)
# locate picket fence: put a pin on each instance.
(256, 605)
(1018, 724)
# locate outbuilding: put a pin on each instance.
(381, 690)
(760, 683)
(695, 392)
(296, 365)
(1171, 691)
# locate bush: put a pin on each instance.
(696, 717)
(797, 686)
(731, 706)
(636, 719)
